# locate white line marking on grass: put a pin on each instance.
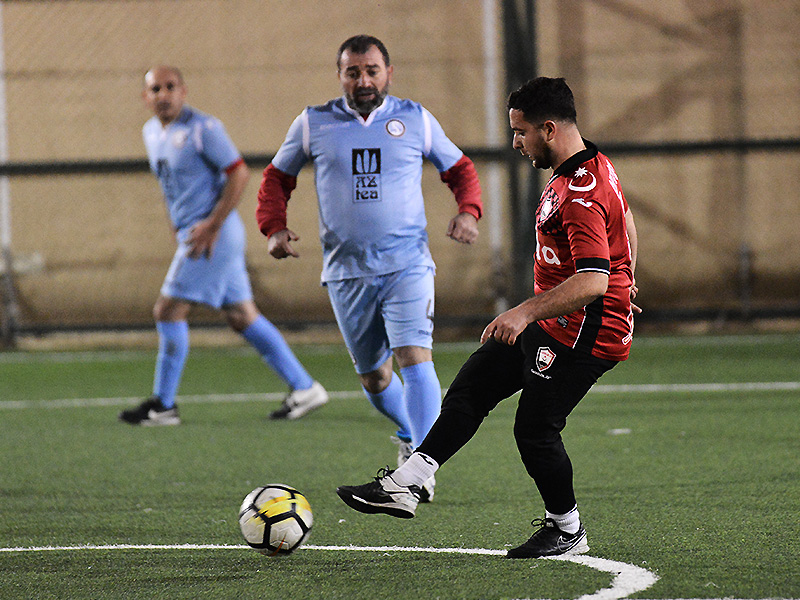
(629, 579)
(194, 399)
(656, 388)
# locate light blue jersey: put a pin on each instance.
(368, 178)
(189, 156)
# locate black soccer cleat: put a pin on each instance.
(382, 495)
(549, 540)
(151, 412)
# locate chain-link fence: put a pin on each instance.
(90, 246)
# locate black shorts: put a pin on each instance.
(553, 379)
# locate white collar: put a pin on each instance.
(371, 117)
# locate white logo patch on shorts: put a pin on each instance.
(545, 358)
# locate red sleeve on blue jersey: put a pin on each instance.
(233, 166)
(462, 179)
(273, 196)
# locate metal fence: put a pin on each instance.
(697, 104)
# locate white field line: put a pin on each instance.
(628, 579)
(656, 388)
(56, 356)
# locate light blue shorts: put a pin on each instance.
(376, 314)
(217, 281)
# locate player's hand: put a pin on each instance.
(463, 228)
(634, 293)
(506, 327)
(279, 244)
(202, 238)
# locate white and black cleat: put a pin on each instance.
(383, 495)
(549, 540)
(151, 412)
(301, 402)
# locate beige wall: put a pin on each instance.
(642, 71)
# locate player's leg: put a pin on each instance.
(491, 374)
(173, 347)
(384, 390)
(422, 391)
(407, 299)
(355, 305)
(228, 266)
(556, 379)
(306, 394)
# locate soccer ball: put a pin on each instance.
(275, 519)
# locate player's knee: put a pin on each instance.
(412, 355)
(537, 435)
(376, 381)
(240, 316)
(168, 309)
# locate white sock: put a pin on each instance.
(569, 522)
(416, 470)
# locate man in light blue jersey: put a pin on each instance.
(367, 148)
(202, 176)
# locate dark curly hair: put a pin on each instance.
(544, 98)
(359, 44)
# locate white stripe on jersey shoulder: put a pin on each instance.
(306, 132)
(428, 136)
(197, 135)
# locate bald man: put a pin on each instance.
(202, 177)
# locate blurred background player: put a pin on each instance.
(367, 148)
(202, 176)
(555, 345)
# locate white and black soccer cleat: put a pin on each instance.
(301, 402)
(382, 495)
(549, 540)
(427, 490)
(151, 412)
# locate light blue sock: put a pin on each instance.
(173, 348)
(390, 403)
(268, 341)
(423, 398)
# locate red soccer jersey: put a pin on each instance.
(580, 226)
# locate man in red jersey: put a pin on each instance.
(553, 346)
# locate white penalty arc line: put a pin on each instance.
(628, 579)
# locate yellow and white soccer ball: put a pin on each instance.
(275, 519)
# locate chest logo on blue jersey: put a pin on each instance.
(366, 174)
(179, 138)
(395, 127)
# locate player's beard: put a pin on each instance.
(365, 107)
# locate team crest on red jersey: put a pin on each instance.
(583, 180)
(544, 358)
(547, 215)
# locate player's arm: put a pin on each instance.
(462, 179)
(273, 198)
(633, 239)
(570, 295)
(204, 233)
